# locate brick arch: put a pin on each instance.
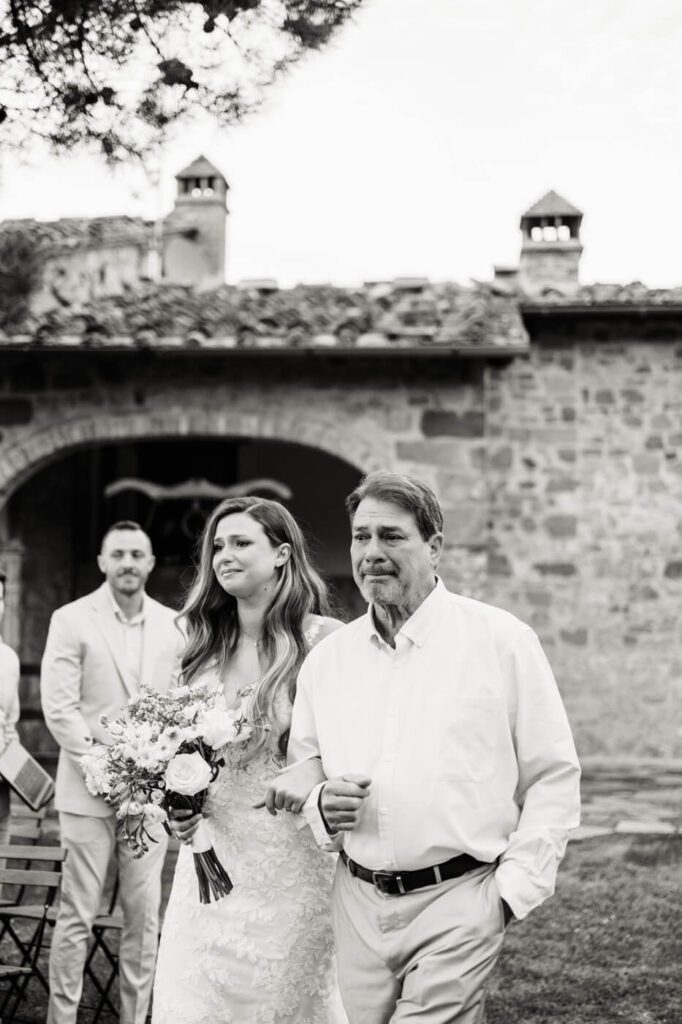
(38, 447)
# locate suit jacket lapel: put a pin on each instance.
(105, 620)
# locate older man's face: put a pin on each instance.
(392, 563)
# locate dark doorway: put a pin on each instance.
(61, 513)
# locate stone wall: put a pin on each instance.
(408, 415)
(82, 275)
(584, 472)
(560, 474)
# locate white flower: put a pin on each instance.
(217, 727)
(190, 711)
(94, 769)
(153, 814)
(145, 732)
(163, 749)
(188, 774)
(148, 760)
(179, 691)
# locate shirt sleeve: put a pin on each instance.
(10, 672)
(60, 688)
(548, 791)
(303, 744)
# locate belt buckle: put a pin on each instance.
(382, 880)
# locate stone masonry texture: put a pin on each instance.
(559, 472)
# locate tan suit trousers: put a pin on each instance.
(90, 842)
(422, 958)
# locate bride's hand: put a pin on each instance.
(290, 789)
(183, 824)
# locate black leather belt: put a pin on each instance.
(397, 883)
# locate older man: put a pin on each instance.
(99, 651)
(453, 778)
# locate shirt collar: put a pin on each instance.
(136, 619)
(419, 623)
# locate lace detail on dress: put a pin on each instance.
(263, 954)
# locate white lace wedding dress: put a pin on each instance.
(262, 954)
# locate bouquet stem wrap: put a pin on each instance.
(214, 881)
(212, 877)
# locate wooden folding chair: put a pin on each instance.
(24, 921)
(26, 824)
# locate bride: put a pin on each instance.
(263, 954)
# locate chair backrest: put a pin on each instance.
(25, 823)
(25, 828)
(22, 810)
(37, 867)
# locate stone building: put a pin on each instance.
(85, 259)
(545, 414)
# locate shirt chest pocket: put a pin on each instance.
(466, 737)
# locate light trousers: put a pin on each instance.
(421, 958)
(91, 842)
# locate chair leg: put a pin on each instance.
(103, 989)
(26, 949)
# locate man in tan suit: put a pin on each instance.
(99, 650)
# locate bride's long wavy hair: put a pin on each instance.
(212, 624)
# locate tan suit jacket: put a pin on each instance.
(83, 676)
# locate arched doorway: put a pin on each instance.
(61, 512)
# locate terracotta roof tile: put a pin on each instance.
(304, 316)
(82, 232)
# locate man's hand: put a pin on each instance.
(290, 789)
(342, 800)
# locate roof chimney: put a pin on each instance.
(551, 246)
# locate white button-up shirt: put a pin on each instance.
(132, 634)
(463, 733)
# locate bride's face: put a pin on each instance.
(245, 563)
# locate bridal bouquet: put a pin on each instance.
(165, 750)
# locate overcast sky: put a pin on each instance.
(412, 145)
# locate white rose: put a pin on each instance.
(188, 774)
(217, 727)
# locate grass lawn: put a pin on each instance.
(607, 948)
